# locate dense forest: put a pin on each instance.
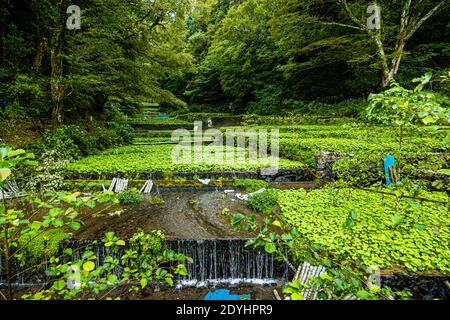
(252, 56)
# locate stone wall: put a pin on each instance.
(325, 161)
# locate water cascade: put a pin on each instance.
(228, 261)
(215, 261)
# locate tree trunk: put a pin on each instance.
(39, 54)
(408, 26)
(386, 76)
(397, 59)
(57, 62)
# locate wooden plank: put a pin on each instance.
(151, 186)
(276, 294)
(144, 188)
(304, 277)
(447, 284)
(112, 184)
(118, 185)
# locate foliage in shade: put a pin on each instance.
(130, 197)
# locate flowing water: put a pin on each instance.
(182, 215)
(215, 261)
(219, 261)
(196, 227)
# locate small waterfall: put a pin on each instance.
(228, 261)
(215, 261)
(23, 276)
(223, 261)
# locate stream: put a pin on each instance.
(195, 225)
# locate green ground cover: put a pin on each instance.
(305, 141)
(367, 227)
(162, 139)
(198, 116)
(154, 134)
(158, 158)
(149, 140)
(167, 121)
(359, 131)
(298, 143)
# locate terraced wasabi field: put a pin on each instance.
(224, 150)
(372, 228)
(158, 158)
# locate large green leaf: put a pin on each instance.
(4, 174)
(270, 247)
(15, 153)
(89, 266)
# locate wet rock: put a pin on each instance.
(439, 181)
(422, 287)
(325, 161)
